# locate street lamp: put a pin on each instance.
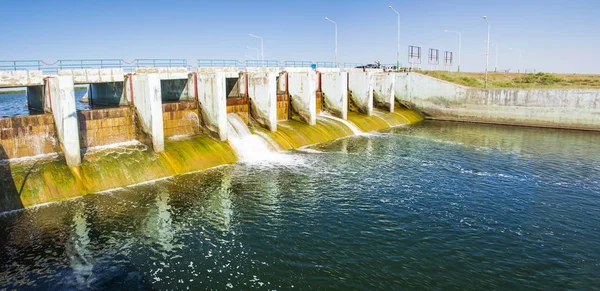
(520, 55)
(398, 50)
(262, 48)
(252, 48)
(487, 51)
(336, 39)
(459, 45)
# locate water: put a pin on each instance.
(252, 148)
(435, 206)
(16, 104)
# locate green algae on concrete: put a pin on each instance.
(293, 134)
(382, 119)
(40, 181)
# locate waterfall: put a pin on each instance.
(251, 148)
(354, 128)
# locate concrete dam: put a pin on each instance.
(158, 122)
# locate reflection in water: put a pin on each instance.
(220, 206)
(159, 225)
(513, 207)
(77, 249)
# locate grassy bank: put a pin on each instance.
(23, 91)
(516, 80)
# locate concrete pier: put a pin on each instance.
(302, 88)
(383, 90)
(334, 86)
(148, 104)
(262, 90)
(360, 85)
(212, 95)
(61, 93)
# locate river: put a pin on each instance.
(439, 205)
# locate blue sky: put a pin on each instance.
(555, 36)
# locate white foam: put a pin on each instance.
(252, 148)
(352, 127)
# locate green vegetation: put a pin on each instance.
(516, 80)
(77, 88)
(13, 92)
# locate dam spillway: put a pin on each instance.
(223, 200)
(162, 122)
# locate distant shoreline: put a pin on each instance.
(24, 91)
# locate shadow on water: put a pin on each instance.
(10, 198)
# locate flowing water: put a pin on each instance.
(435, 206)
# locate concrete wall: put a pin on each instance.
(100, 127)
(148, 105)
(302, 88)
(21, 78)
(62, 95)
(175, 90)
(26, 136)
(360, 85)
(334, 86)
(168, 73)
(383, 90)
(262, 90)
(181, 118)
(559, 108)
(212, 98)
(89, 76)
(107, 94)
(35, 98)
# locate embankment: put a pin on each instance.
(555, 108)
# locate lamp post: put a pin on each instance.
(520, 55)
(487, 52)
(252, 48)
(336, 39)
(262, 48)
(459, 45)
(398, 50)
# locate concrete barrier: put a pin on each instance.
(383, 90)
(360, 85)
(556, 108)
(334, 86)
(89, 76)
(107, 94)
(302, 88)
(262, 90)
(212, 97)
(166, 73)
(148, 104)
(61, 92)
(10, 79)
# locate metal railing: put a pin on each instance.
(297, 64)
(353, 65)
(20, 65)
(328, 65)
(217, 63)
(130, 66)
(89, 64)
(145, 63)
(265, 63)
